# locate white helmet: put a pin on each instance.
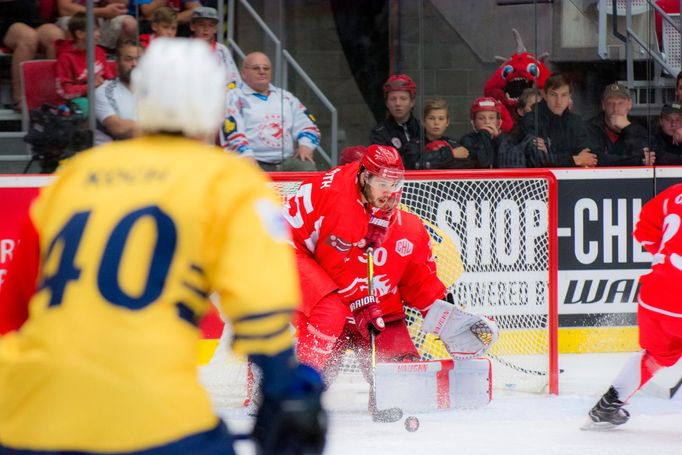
(179, 86)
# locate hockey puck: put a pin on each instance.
(411, 424)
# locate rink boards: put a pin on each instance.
(598, 262)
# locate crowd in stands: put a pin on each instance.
(547, 133)
(275, 129)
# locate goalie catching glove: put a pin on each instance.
(465, 335)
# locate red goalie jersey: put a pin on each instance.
(329, 219)
(659, 230)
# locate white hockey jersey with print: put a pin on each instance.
(267, 126)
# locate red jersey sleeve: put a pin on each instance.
(20, 281)
(649, 228)
(420, 285)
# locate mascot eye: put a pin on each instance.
(533, 70)
(507, 70)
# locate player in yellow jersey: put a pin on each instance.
(98, 316)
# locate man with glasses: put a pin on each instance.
(336, 217)
(267, 123)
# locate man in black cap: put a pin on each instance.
(618, 141)
(667, 152)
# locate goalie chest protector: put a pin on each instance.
(434, 384)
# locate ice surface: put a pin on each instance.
(513, 423)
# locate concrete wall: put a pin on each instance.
(443, 65)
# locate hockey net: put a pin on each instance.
(494, 239)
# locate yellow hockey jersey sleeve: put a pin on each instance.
(133, 237)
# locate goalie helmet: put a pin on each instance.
(179, 87)
(485, 104)
(400, 82)
(352, 154)
(383, 161)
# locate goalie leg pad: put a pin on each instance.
(464, 334)
(434, 385)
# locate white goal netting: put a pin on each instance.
(491, 237)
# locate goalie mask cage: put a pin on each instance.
(494, 239)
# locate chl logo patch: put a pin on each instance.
(403, 247)
(396, 142)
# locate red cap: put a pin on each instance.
(400, 82)
(485, 104)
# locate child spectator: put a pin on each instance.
(204, 26)
(488, 146)
(111, 15)
(164, 24)
(527, 100)
(145, 10)
(72, 67)
(441, 152)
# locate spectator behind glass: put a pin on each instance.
(667, 151)
(488, 145)
(440, 151)
(677, 136)
(267, 123)
(112, 19)
(164, 24)
(204, 26)
(114, 102)
(72, 66)
(617, 140)
(183, 9)
(528, 98)
(25, 34)
(400, 129)
(560, 137)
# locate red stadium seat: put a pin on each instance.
(39, 86)
(38, 83)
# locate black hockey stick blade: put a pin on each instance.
(675, 388)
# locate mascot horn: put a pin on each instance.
(516, 73)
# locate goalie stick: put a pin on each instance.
(378, 415)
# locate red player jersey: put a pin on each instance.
(329, 218)
(658, 230)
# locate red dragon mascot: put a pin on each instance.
(516, 73)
